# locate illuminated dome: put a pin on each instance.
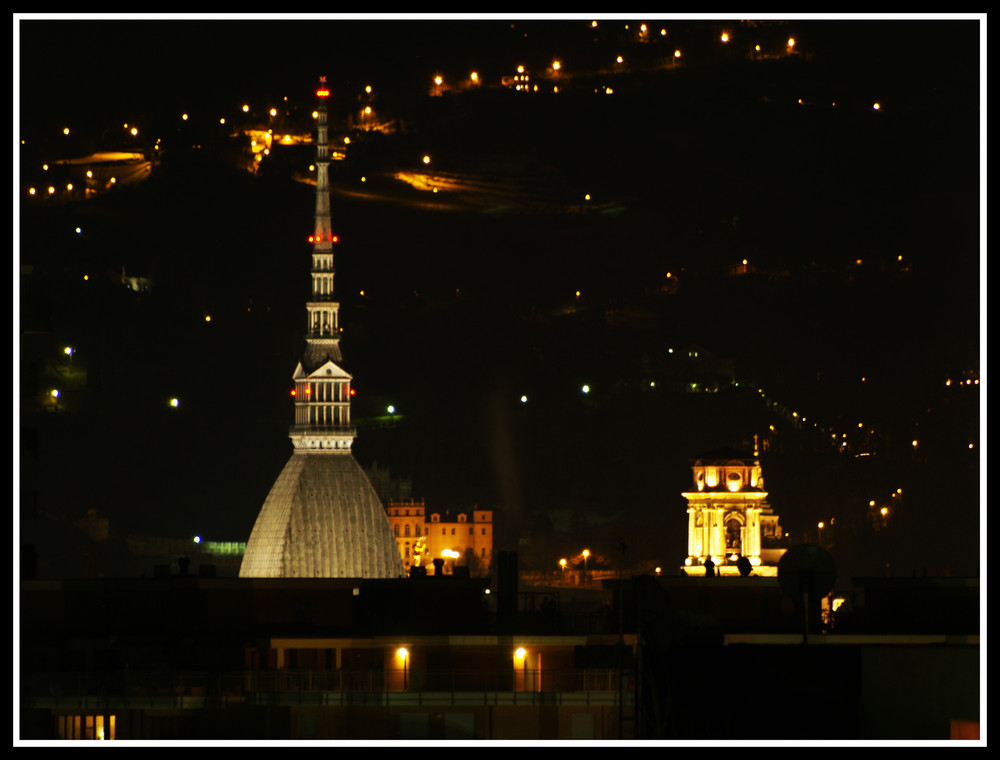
(322, 519)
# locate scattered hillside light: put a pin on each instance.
(820, 525)
(174, 403)
(871, 503)
(133, 131)
(51, 190)
(113, 180)
(556, 65)
(663, 32)
(69, 185)
(658, 570)
(368, 109)
(524, 399)
(519, 653)
(246, 108)
(757, 48)
(474, 76)
(364, 179)
(971, 445)
(578, 294)
(677, 54)
(438, 80)
(391, 409)
(222, 120)
(876, 106)
(593, 24)
(68, 351)
(54, 393)
(184, 116)
(791, 42)
(368, 89)
(45, 167)
(273, 112)
(65, 130)
(208, 317)
(426, 159)
(586, 389)
(884, 511)
(31, 191)
(197, 539)
(608, 91)
(724, 37)
(618, 59)
(587, 197)
(90, 174)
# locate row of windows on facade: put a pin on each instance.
(338, 391)
(327, 415)
(427, 531)
(435, 517)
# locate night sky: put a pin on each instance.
(861, 299)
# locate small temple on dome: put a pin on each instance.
(729, 518)
(322, 518)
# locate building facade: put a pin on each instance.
(460, 539)
(729, 518)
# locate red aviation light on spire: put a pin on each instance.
(323, 91)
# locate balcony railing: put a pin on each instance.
(327, 687)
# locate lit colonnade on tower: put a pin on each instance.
(729, 517)
(322, 518)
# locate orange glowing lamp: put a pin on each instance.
(322, 92)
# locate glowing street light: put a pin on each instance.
(404, 655)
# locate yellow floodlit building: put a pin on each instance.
(460, 539)
(729, 518)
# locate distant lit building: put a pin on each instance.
(322, 518)
(462, 539)
(729, 518)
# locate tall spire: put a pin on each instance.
(322, 517)
(322, 388)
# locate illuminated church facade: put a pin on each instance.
(729, 517)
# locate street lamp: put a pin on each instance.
(521, 655)
(404, 654)
(586, 553)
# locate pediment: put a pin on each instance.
(326, 371)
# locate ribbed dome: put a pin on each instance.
(322, 519)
